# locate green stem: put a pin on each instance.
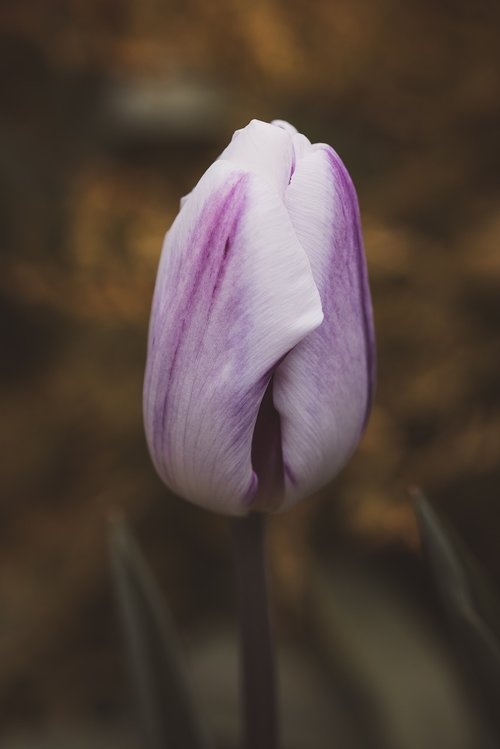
(259, 690)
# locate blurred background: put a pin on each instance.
(111, 111)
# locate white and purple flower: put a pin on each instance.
(261, 357)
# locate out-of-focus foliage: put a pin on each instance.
(110, 111)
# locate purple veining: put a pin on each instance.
(341, 174)
(261, 358)
(267, 455)
(325, 385)
(220, 214)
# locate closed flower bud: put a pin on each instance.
(261, 356)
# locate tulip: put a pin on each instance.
(261, 355)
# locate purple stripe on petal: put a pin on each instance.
(226, 309)
(323, 388)
(204, 275)
(353, 226)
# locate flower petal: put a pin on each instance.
(234, 294)
(264, 149)
(284, 125)
(323, 388)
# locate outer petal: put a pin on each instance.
(264, 149)
(323, 388)
(234, 293)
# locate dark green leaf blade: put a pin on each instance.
(468, 601)
(167, 715)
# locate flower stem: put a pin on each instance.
(259, 691)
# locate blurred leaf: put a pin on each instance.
(468, 600)
(394, 684)
(167, 715)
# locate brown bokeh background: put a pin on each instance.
(111, 111)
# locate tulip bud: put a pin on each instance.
(261, 355)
